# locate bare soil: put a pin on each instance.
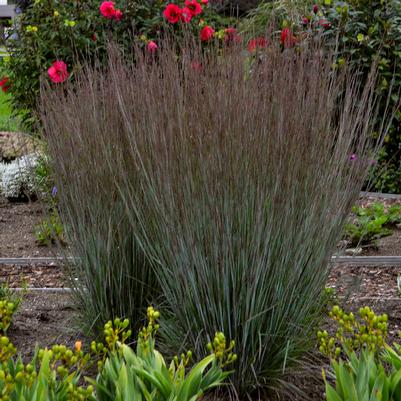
(17, 230)
(44, 319)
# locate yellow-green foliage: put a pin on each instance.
(8, 305)
(55, 374)
(7, 310)
(354, 333)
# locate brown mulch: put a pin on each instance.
(31, 276)
(44, 319)
(17, 230)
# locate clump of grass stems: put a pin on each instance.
(111, 276)
(233, 176)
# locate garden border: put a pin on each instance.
(351, 260)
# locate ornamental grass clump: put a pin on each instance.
(233, 173)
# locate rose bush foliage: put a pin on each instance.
(50, 39)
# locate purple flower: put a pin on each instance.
(353, 157)
(54, 191)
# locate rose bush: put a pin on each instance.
(51, 39)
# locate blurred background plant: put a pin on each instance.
(75, 32)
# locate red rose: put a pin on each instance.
(5, 84)
(315, 8)
(107, 9)
(118, 15)
(194, 7)
(206, 33)
(186, 15)
(58, 72)
(287, 38)
(231, 36)
(256, 43)
(151, 47)
(204, 2)
(172, 13)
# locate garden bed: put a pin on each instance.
(48, 317)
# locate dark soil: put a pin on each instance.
(44, 319)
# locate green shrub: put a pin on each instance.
(365, 32)
(235, 186)
(75, 32)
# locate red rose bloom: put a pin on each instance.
(107, 9)
(151, 47)
(186, 15)
(118, 15)
(257, 43)
(206, 33)
(5, 84)
(231, 36)
(58, 72)
(194, 7)
(287, 38)
(172, 13)
(315, 8)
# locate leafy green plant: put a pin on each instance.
(353, 334)
(50, 230)
(9, 303)
(144, 375)
(371, 223)
(363, 377)
(363, 365)
(56, 374)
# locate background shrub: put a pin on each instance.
(234, 175)
(365, 32)
(73, 31)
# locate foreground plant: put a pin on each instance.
(56, 374)
(9, 304)
(144, 375)
(235, 181)
(363, 365)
